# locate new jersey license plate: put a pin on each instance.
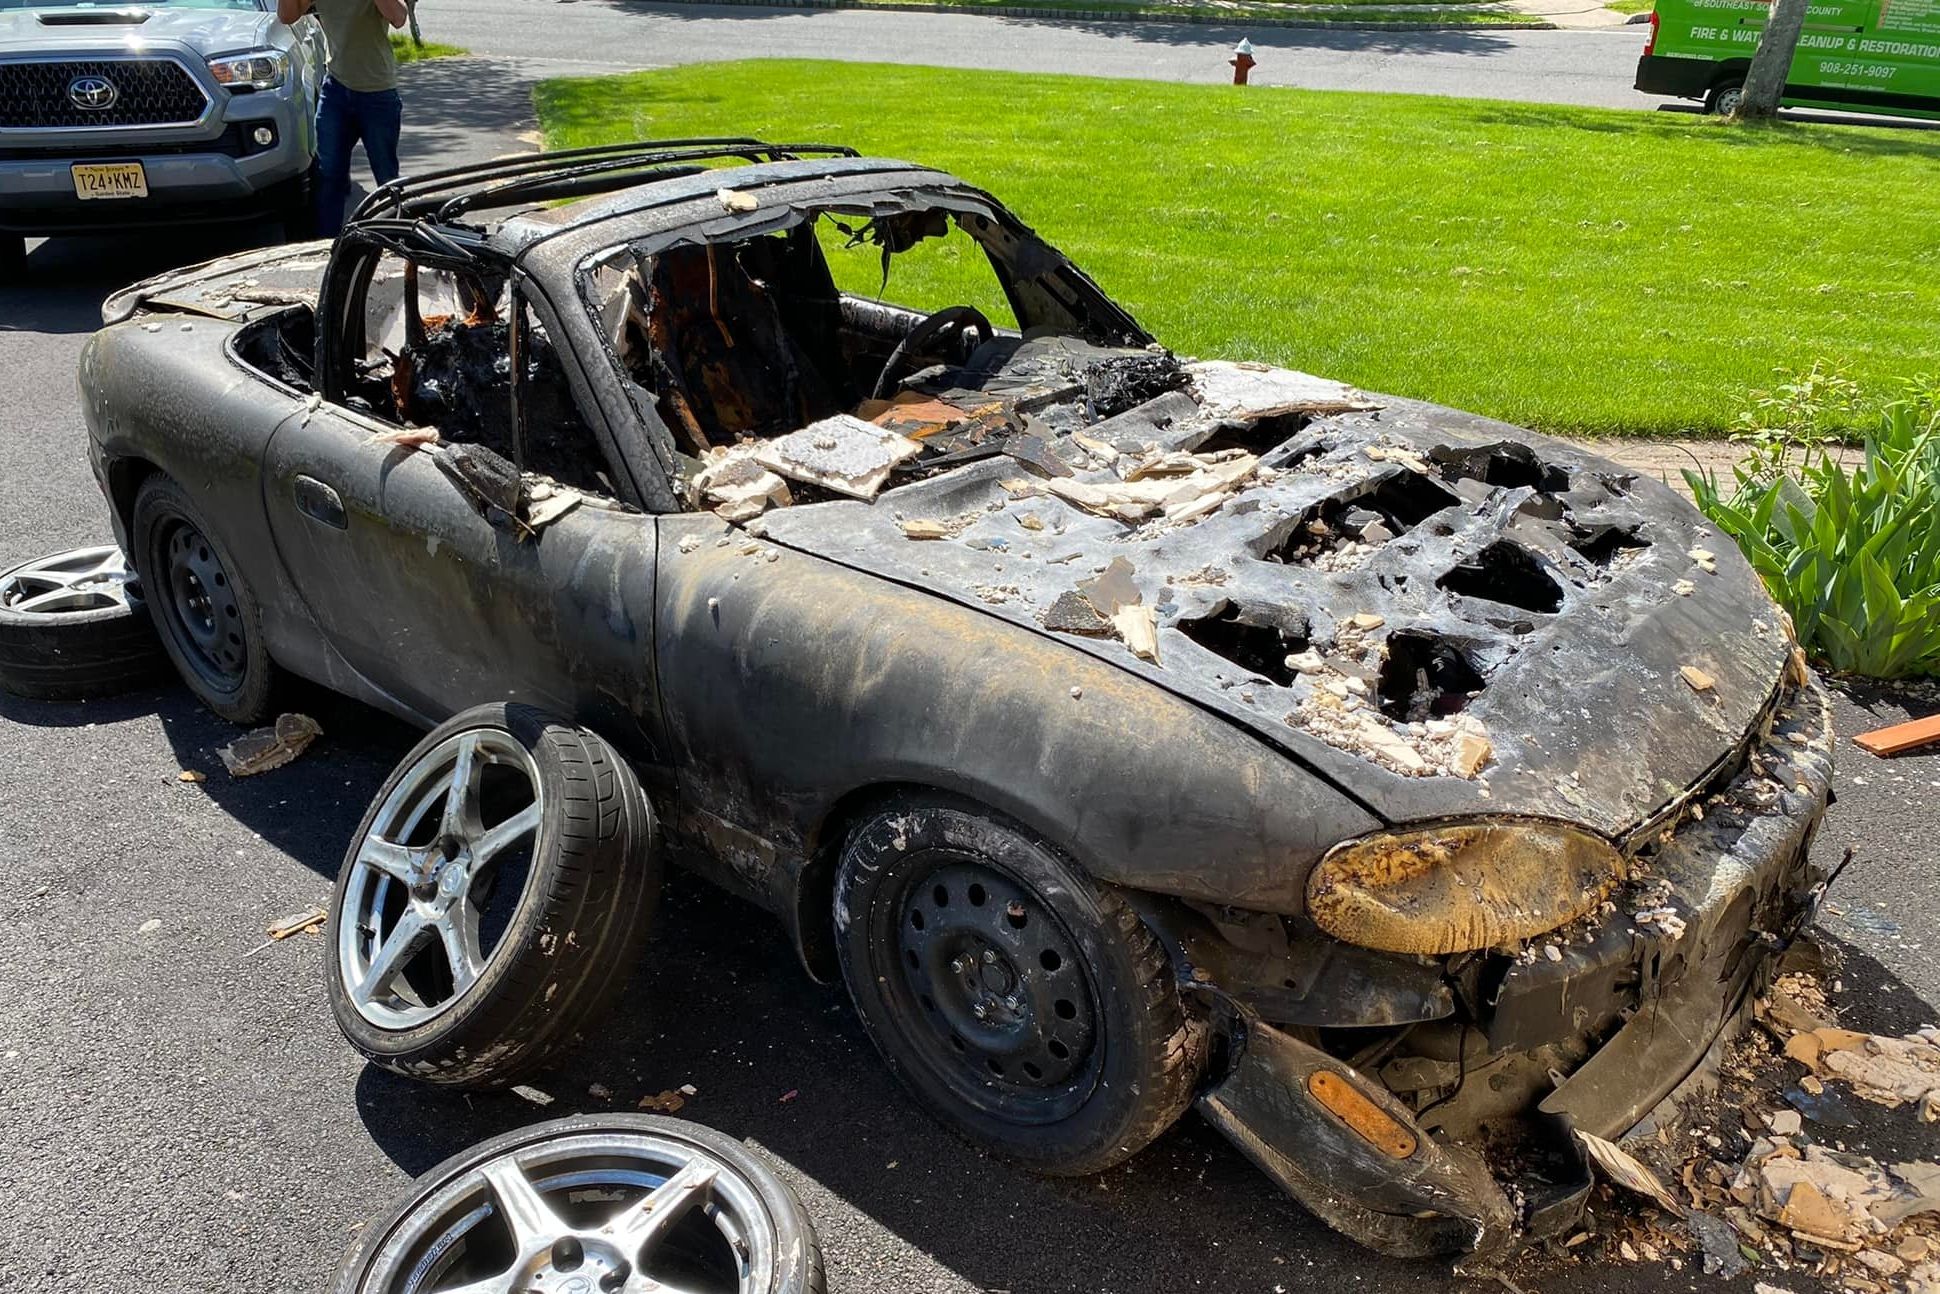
(111, 180)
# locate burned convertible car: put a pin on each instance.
(1407, 790)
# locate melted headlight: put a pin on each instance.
(1460, 887)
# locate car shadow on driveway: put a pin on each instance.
(722, 1004)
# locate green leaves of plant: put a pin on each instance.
(1853, 556)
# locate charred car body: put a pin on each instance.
(1406, 789)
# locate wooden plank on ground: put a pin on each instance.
(1900, 737)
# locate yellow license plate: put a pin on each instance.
(115, 180)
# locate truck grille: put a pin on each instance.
(145, 92)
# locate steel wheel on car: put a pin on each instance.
(492, 899)
(619, 1204)
(1024, 1004)
(73, 625)
(1723, 100)
(207, 616)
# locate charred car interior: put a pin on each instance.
(1408, 791)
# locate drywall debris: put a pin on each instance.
(269, 748)
(842, 453)
(1697, 678)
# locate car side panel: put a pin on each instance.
(790, 682)
(431, 604)
(163, 392)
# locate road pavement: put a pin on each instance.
(1595, 68)
(178, 1113)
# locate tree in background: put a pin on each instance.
(1772, 62)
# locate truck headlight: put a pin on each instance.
(253, 69)
(1460, 886)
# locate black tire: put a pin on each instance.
(570, 927)
(95, 641)
(397, 1238)
(207, 617)
(297, 213)
(1063, 1046)
(13, 257)
(1721, 99)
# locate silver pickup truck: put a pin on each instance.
(115, 117)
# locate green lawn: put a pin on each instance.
(1573, 269)
(1630, 6)
(408, 51)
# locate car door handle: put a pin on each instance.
(319, 502)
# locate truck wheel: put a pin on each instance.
(493, 899)
(207, 617)
(13, 257)
(600, 1202)
(73, 626)
(298, 214)
(1026, 1006)
(1724, 98)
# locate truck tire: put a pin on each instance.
(1022, 1003)
(73, 626)
(577, 1194)
(1723, 98)
(492, 900)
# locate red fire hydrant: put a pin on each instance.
(1242, 61)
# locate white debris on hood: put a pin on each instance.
(1262, 391)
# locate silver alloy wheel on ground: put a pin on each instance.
(1726, 102)
(601, 1212)
(419, 877)
(83, 579)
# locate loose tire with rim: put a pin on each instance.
(1023, 1003)
(617, 1203)
(208, 618)
(73, 625)
(492, 900)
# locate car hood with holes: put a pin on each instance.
(1620, 650)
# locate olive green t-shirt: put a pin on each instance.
(360, 44)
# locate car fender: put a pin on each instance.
(792, 684)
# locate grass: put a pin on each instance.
(409, 51)
(1630, 6)
(1578, 270)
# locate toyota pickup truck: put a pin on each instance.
(160, 113)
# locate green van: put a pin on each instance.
(1854, 55)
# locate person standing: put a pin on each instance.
(359, 98)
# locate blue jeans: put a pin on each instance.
(345, 116)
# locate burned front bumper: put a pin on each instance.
(1609, 1024)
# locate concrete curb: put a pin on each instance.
(1117, 15)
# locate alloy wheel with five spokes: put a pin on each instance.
(492, 899)
(618, 1204)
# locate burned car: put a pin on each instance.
(1408, 791)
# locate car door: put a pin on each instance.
(437, 608)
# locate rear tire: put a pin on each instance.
(1025, 1005)
(543, 958)
(208, 618)
(73, 626)
(1724, 97)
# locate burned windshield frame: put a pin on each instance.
(1045, 291)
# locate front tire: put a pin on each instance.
(208, 618)
(493, 899)
(13, 257)
(1025, 1005)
